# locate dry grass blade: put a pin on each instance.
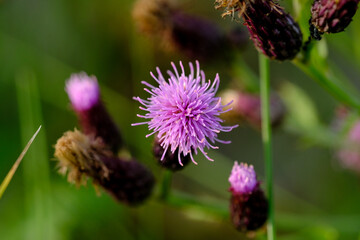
(12, 171)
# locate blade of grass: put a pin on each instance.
(37, 190)
(12, 171)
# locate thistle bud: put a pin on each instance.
(331, 16)
(84, 94)
(196, 37)
(83, 157)
(170, 160)
(349, 153)
(248, 205)
(273, 31)
(248, 107)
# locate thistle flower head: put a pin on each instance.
(242, 178)
(83, 91)
(184, 112)
(273, 31)
(332, 16)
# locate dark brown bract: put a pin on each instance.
(249, 211)
(170, 160)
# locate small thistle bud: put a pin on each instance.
(331, 16)
(84, 94)
(170, 160)
(248, 106)
(248, 205)
(198, 38)
(273, 31)
(84, 157)
(349, 153)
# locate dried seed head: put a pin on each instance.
(84, 94)
(152, 16)
(80, 157)
(332, 16)
(84, 157)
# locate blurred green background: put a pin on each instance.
(43, 42)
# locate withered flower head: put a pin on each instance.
(152, 16)
(80, 156)
(84, 157)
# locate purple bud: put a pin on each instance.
(83, 91)
(248, 205)
(349, 153)
(242, 179)
(84, 94)
(332, 16)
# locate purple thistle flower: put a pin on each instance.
(83, 91)
(184, 111)
(248, 204)
(84, 94)
(242, 178)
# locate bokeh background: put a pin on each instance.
(43, 42)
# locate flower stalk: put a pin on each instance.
(264, 65)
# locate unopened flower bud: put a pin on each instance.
(83, 157)
(84, 94)
(248, 205)
(349, 153)
(331, 16)
(196, 37)
(248, 106)
(170, 160)
(273, 31)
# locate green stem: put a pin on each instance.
(264, 65)
(166, 185)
